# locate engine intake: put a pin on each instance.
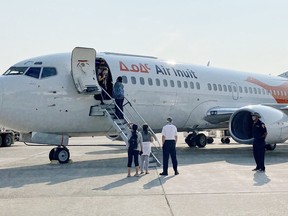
(276, 121)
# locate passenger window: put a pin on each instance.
(250, 90)
(219, 87)
(229, 88)
(225, 88)
(185, 84)
(234, 89)
(246, 90)
(197, 85)
(124, 79)
(142, 81)
(165, 83)
(179, 84)
(259, 91)
(33, 72)
(263, 91)
(240, 89)
(214, 87)
(255, 90)
(133, 80)
(192, 85)
(48, 71)
(172, 83)
(157, 82)
(150, 81)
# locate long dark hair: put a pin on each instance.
(134, 130)
(145, 129)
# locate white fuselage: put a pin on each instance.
(53, 105)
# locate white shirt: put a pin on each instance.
(169, 131)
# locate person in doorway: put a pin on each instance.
(146, 144)
(259, 132)
(103, 83)
(134, 147)
(118, 95)
(169, 140)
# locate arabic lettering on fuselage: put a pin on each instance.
(160, 70)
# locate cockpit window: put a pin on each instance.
(48, 71)
(15, 71)
(33, 72)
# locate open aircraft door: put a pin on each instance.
(83, 70)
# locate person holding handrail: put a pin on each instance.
(118, 95)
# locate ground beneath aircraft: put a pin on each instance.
(216, 180)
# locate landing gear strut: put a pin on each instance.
(60, 153)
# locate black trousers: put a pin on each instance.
(169, 148)
(259, 153)
(133, 154)
(119, 103)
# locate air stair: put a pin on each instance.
(121, 125)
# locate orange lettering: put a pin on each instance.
(123, 67)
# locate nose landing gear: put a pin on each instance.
(60, 153)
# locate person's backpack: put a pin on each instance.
(133, 142)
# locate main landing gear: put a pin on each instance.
(60, 153)
(193, 139)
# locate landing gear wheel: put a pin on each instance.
(210, 140)
(52, 154)
(61, 154)
(201, 140)
(7, 140)
(190, 140)
(227, 141)
(270, 147)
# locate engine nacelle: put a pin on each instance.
(276, 121)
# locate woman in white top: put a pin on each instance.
(146, 144)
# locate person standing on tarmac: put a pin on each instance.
(259, 134)
(169, 140)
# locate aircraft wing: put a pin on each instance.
(219, 115)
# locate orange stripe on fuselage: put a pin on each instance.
(273, 90)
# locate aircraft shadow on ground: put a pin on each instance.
(235, 155)
(58, 173)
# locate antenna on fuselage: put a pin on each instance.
(208, 64)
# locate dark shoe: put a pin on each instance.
(102, 103)
(176, 173)
(164, 174)
(255, 169)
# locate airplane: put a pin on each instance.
(51, 98)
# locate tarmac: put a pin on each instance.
(215, 180)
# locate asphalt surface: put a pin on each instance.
(216, 180)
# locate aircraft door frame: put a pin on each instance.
(83, 70)
(235, 94)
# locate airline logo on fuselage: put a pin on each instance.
(274, 90)
(161, 70)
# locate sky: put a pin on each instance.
(246, 35)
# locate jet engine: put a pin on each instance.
(276, 121)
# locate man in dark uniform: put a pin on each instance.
(259, 134)
(169, 140)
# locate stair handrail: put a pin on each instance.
(126, 117)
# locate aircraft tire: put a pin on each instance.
(201, 140)
(62, 154)
(227, 140)
(7, 140)
(222, 140)
(270, 147)
(190, 140)
(210, 140)
(52, 155)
